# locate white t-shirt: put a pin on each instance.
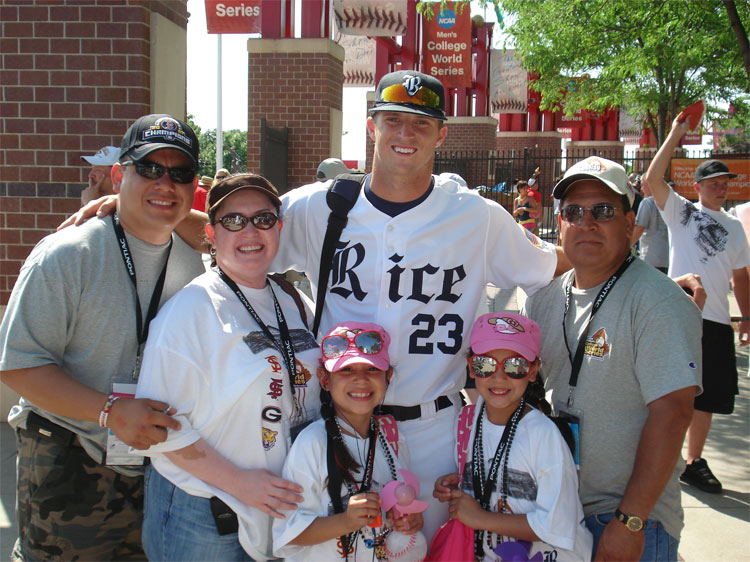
(709, 243)
(307, 466)
(210, 360)
(542, 483)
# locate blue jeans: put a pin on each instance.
(660, 545)
(178, 526)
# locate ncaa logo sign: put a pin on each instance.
(446, 18)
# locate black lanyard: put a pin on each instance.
(140, 325)
(370, 466)
(577, 361)
(284, 346)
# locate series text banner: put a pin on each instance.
(233, 16)
(683, 175)
(446, 46)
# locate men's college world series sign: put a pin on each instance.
(446, 47)
(233, 16)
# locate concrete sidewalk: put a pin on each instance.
(716, 525)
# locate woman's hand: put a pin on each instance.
(98, 207)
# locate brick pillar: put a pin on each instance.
(74, 75)
(296, 83)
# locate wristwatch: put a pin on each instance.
(632, 522)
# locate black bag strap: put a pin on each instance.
(292, 291)
(341, 196)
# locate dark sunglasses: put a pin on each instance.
(153, 171)
(602, 212)
(236, 222)
(484, 366)
(335, 346)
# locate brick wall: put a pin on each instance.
(546, 142)
(470, 133)
(292, 85)
(73, 76)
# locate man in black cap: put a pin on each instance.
(706, 240)
(71, 341)
(415, 256)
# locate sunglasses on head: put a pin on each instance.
(153, 171)
(424, 96)
(335, 346)
(602, 212)
(484, 366)
(235, 222)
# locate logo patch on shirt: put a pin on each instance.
(597, 344)
(533, 238)
(269, 438)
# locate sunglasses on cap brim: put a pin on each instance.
(369, 343)
(424, 96)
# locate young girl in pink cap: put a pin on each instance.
(522, 498)
(344, 459)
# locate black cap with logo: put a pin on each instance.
(712, 169)
(157, 131)
(409, 91)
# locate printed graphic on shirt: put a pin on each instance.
(269, 438)
(532, 238)
(302, 340)
(711, 236)
(597, 344)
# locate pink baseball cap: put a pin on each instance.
(352, 354)
(505, 330)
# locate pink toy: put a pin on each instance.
(402, 496)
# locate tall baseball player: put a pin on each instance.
(415, 257)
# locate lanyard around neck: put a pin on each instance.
(284, 346)
(127, 258)
(577, 360)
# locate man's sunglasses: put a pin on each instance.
(484, 366)
(602, 212)
(335, 346)
(153, 171)
(236, 222)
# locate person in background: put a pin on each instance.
(201, 192)
(100, 174)
(221, 173)
(652, 232)
(524, 206)
(330, 168)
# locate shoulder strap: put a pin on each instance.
(292, 291)
(462, 435)
(341, 196)
(388, 426)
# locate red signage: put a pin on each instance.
(446, 45)
(233, 16)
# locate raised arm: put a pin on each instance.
(654, 176)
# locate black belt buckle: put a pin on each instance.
(224, 517)
(43, 429)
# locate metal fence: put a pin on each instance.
(495, 172)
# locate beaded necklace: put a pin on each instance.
(483, 487)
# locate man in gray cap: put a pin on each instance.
(620, 356)
(706, 240)
(330, 168)
(99, 179)
(70, 345)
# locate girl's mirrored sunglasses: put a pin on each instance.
(236, 222)
(484, 366)
(153, 171)
(335, 346)
(602, 212)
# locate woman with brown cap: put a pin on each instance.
(220, 353)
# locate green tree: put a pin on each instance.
(652, 56)
(234, 142)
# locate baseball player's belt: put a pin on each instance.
(406, 413)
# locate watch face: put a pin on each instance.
(634, 523)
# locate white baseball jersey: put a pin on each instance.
(420, 275)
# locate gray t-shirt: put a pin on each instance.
(74, 306)
(655, 237)
(643, 343)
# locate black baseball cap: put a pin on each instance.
(712, 169)
(409, 91)
(157, 131)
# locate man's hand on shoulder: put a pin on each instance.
(619, 543)
(98, 207)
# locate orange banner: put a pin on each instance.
(446, 45)
(683, 175)
(233, 16)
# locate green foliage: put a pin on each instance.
(233, 140)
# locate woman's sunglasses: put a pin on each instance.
(153, 171)
(236, 222)
(484, 366)
(335, 346)
(602, 212)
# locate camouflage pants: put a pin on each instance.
(71, 508)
